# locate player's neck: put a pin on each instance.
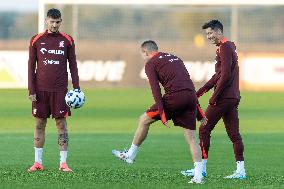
(221, 40)
(48, 31)
(153, 54)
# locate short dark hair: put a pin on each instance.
(213, 24)
(150, 45)
(53, 13)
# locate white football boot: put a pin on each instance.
(237, 175)
(123, 155)
(190, 173)
(196, 180)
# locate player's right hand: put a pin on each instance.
(32, 97)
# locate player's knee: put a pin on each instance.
(37, 139)
(141, 119)
(40, 127)
(40, 124)
(61, 124)
(144, 120)
(63, 139)
(190, 135)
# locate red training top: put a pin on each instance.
(226, 78)
(47, 67)
(171, 72)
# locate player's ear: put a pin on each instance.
(147, 53)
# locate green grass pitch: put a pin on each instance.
(108, 120)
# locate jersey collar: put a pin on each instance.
(52, 34)
(155, 54)
(223, 40)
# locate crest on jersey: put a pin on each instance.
(61, 44)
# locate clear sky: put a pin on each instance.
(19, 5)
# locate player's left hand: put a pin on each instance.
(204, 121)
(32, 97)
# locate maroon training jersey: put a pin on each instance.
(47, 68)
(171, 72)
(226, 78)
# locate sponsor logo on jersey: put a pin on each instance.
(56, 52)
(34, 111)
(43, 50)
(61, 44)
(173, 59)
(42, 43)
(46, 61)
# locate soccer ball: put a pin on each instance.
(75, 98)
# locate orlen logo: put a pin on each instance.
(43, 50)
(45, 62)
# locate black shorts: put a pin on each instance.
(50, 103)
(180, 106)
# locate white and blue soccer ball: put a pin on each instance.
(75, 98)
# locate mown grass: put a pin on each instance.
(108, 120)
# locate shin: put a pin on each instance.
(39, 134)
(62, 134)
